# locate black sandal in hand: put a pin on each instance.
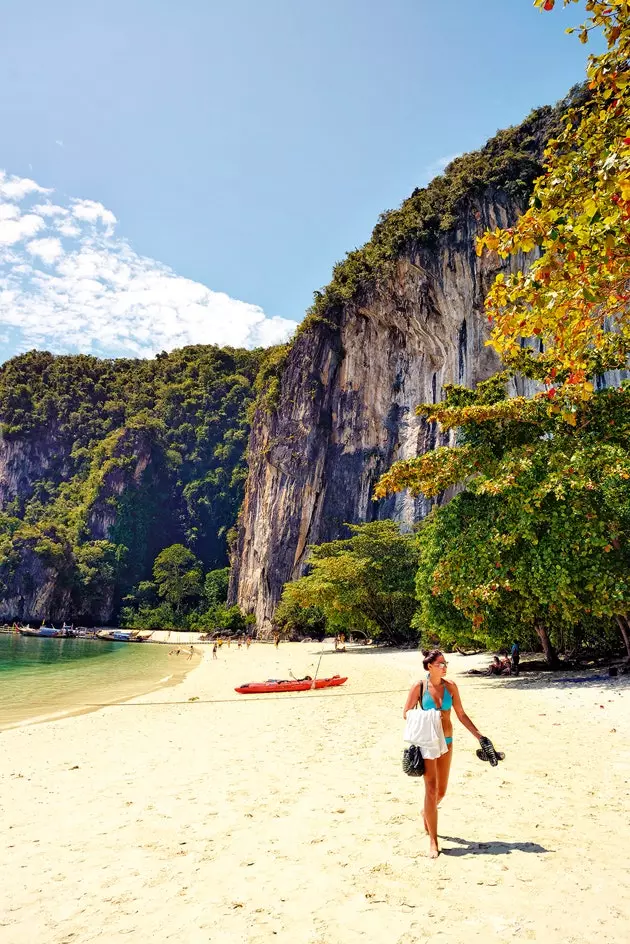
(487, 752)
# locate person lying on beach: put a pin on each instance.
(441, 695)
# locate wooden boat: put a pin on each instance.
(115, 635)
(289, 685)
(45, 632)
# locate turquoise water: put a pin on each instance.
(43, 678)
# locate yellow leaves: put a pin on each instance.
(488, 241)
(570, 418)
(590, 207)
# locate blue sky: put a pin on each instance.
(202, 165)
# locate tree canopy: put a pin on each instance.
(364, 582)
(574, 296)
(540, 539)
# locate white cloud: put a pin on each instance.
(93, 212)
(79, 287)
(14, 230)
(16, 188)
(47, 249)
(69, 229)
(49, 209)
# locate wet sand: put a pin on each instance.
(197, 815)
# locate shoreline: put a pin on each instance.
(146, 687)
(193, 817)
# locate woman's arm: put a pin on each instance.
(412, 698)
(459, 711)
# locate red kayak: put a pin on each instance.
(289, 685)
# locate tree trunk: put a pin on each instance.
(622, 623)
(550, 653)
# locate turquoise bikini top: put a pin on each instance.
(429, 702)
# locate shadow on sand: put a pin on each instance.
(490, 848)
(567, 679)
(353, 650)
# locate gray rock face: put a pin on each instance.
(347, 406)
(38, 577)
(22, 462)
(38, 591)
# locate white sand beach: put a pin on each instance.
(287, 818)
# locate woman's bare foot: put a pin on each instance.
(433, 850)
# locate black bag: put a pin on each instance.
(412, 760)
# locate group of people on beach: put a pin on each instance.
(505, 664)
(240, 642)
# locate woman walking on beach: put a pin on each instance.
(441, 695)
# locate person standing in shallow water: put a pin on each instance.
(442, 695)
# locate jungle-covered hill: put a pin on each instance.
(103, 463)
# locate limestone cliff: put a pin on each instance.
(352, 378)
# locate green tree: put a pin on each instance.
(364, 582)
(291, 618)
(215, 588)
(97, 566)
(178, 576)
(540, 538)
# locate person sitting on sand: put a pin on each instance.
(495, 666)
(438, 694)
(506, 665)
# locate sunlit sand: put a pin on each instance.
(193, 814)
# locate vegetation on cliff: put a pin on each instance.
(510, 161)
(122, 458)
